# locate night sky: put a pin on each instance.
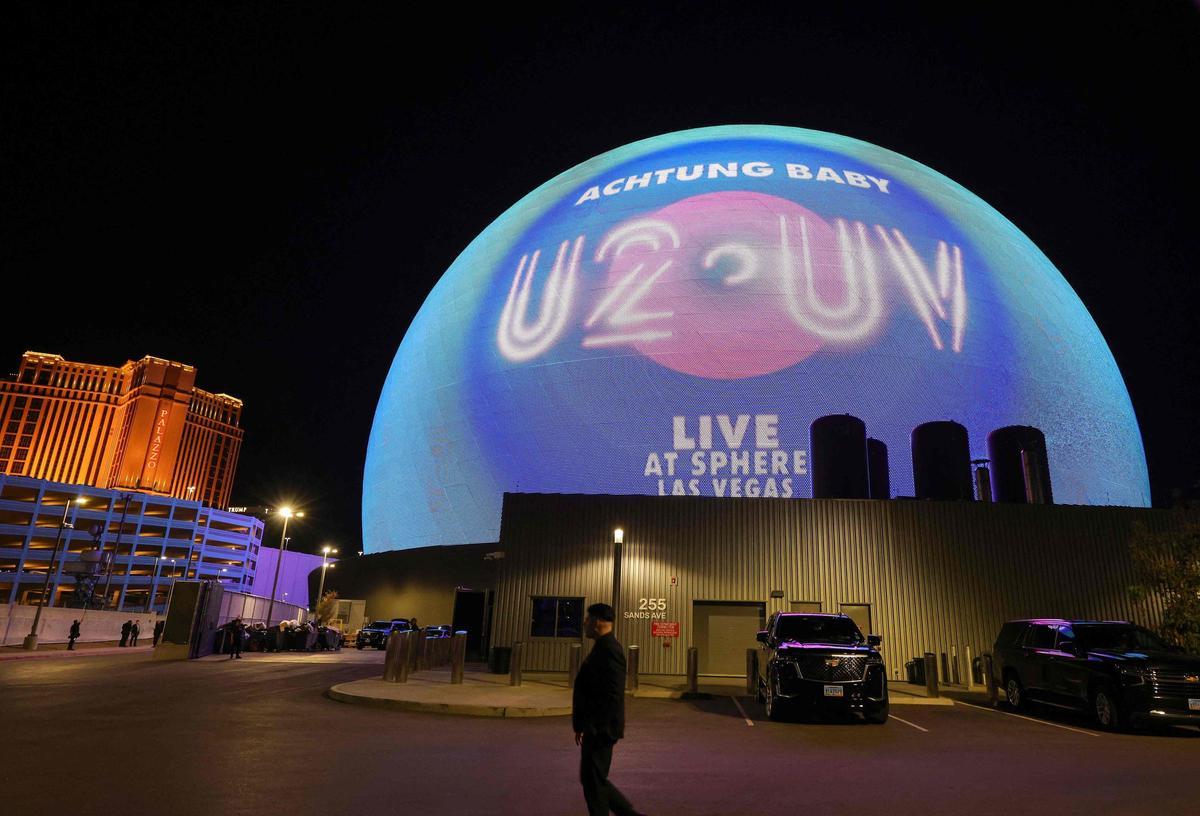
(268, 191)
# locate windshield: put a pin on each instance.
(1118, 638)
(818, 630)
(380, 625)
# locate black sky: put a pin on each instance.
(268, 191)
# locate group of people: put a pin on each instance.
(236, 636)
(130, 630)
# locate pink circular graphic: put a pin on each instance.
(698, 285)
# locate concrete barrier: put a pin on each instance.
(94, 625)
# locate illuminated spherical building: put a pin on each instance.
(670, 317)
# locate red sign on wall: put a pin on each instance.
(664, 628)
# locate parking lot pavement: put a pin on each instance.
(259, 736)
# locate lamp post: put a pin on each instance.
(287, 514)
(325, 565)
(170, 589)
(125, 497)
(31, 640)
(618, 540)
(153, 584)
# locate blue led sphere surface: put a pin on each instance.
(670, 317)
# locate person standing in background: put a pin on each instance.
(126, 628)
(158, 630)
(134, 632)
(73, 636)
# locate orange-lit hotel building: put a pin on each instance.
(142, 426)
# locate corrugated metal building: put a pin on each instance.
(926, 575)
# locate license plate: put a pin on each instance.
(836, 691)
(1193, 705)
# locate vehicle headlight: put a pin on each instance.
(1131, 675)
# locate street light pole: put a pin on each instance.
(325, 565)
(116, 548)
(171, 589)
(287, 514)
(31, 640)
(618, 540)
(153, 584)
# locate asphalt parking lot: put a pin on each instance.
(104, 734)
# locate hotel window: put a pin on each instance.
(556, 617)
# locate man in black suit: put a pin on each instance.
(598, 713)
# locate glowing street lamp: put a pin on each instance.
(325, 566)
(287, 514)
(31, 640)
(618, 540)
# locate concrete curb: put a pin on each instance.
(340, 694)
(63, 653)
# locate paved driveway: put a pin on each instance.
(106, 734)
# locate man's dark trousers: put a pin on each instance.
(601, 795)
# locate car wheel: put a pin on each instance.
(1015, 692)
(1105, 708)
(772, 703)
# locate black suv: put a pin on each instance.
(1121, 673)
(378, 632)
(820, 662)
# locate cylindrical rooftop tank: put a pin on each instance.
(1005, 446)
(839, 457)
(941, 455)
(878, 477)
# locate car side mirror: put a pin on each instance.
(761, 636)
(874, 640)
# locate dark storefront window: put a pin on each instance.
(557, 617)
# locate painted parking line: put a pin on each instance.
(742, 711)
(1030, 719)
(906, 722)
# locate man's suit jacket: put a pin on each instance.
(598, 703)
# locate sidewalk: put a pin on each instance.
(541, 694)
(59, 650)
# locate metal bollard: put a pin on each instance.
(751, 671)
(970, 670)
(989, 679)
(412, 652)
(514, 669)
(395, 661)
(931, 675)
(631, 673)
(458, 656)
(574, 658)
(944, 677)
(954, 676)
(693, 670)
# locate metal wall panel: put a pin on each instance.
(936, 574)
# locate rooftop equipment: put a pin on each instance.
(1020, 469)
(941, 454)
(839, 457)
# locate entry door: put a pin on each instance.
(723, 632)
(469, 610)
